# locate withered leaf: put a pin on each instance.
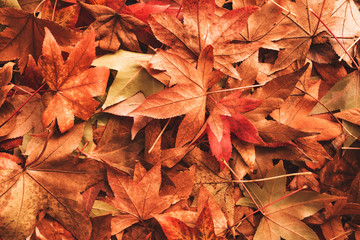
(25, 34)
(73, 83)
(187, 94)
(113, 29)
(283, 218)
(52, 182)
(115, 146)
(202, 27)
(138, 199)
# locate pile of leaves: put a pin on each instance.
(192, 119)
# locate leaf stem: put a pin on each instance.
(237, 88)
(275, 177)
(337, 40)
(17, 110)
(267, 205)
(244, 186)
(158, 137)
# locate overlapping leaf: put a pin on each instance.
(177, 229)
(114, 29)
(187, 94)
(25, 34)
(283, 218)
(73, 83)
(52, 182)
(225, 118)
(137, 199)
(202, 27)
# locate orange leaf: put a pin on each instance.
(73, 83)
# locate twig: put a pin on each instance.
(337, 40)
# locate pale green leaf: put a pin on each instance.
(101, 208)
(131, 77)
(345, 94)
(10, 3)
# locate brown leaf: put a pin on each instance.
(73, 83)
(6, 110)
(137, 201)
(115, 146)
(202, 27)
(101, 228)
(25, 35)
(29, 117)
(65, 17)
(125, 107)
(187, 96)
(296, 43)
(113, 29)
(48, 228)
(52, 184)
(274, 94)
(177, 229)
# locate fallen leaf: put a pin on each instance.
(136, 200)
(5, 78)
(113, 29)
(73, 83)
(115, 146)
(25, 35)
(283, 218)
(176, 229)
(65, 17)
(52, 182)
(202, 27)
(225, 118)
(296, 44)
(187, 96)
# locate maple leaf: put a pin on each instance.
(273, 94)
(24, 35)
(210, 177)
(73, 83)
(346, 28)
(52, 181)
(66, 17)
(283, 218)
(225, 118)
(296, 44)
(114, 29)
(266, 25)
(136, 199)
(177, 229)
(202, 27)
(187, 94)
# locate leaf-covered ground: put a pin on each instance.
(179, 119)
